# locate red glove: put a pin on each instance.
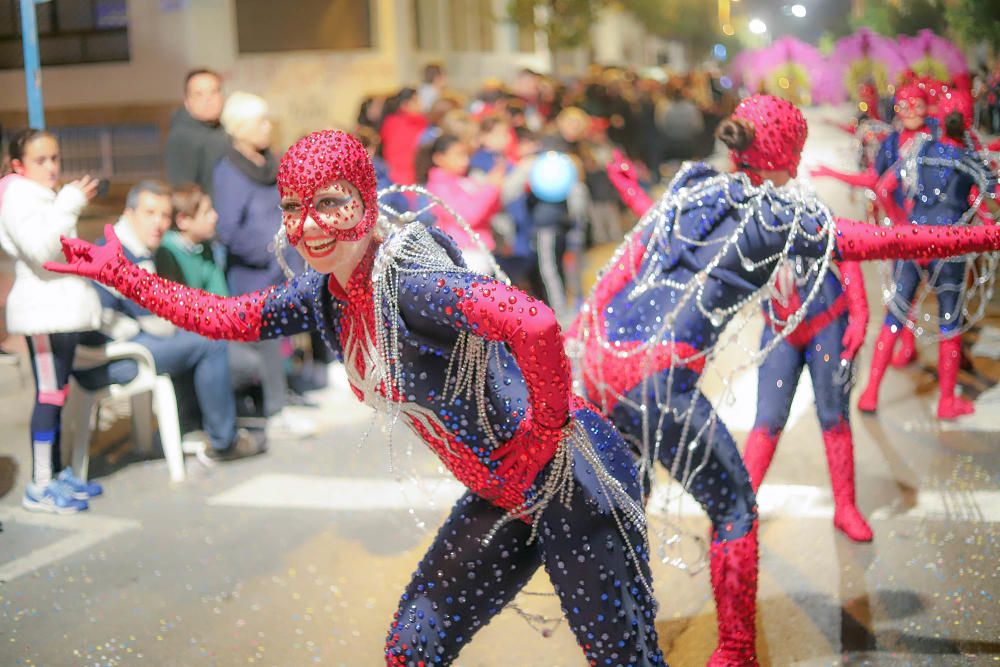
(526, 453)
(228, 318)
(885, 191)
(857, 308)
(89, 260)
(624, 176)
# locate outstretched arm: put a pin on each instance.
(853, 283)
(624, 177)
(269, 313)
(859, 241)
(863, 179)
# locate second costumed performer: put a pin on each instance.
(473, 366)
(713, 244)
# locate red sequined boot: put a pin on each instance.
(758, 453)
(734, 583)
(840, 457)
(906, 349)
(880, 361)
(951, 406)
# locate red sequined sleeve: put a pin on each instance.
(500, 312)
(863, 242)
(302, 304)
(212, 316)
(497, 312)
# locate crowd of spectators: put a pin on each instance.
(986, 90)
(475, 151)
(212, 222)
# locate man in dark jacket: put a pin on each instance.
(197, 141)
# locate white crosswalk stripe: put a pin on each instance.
(792, 501)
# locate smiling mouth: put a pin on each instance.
(321, 247)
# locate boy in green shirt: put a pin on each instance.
(186, 255)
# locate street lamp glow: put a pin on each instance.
(757, 27)
(799, 11)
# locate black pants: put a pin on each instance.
(596, 570)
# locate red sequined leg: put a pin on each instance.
(840, 457)
(880, 361)
(734, 583)
(906, 349)
(951, 406)
(758, 453)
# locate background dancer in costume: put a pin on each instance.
(937, 182)
(50, 311)
(654, 319)
(827, 341)
(475, 368)
(912, 110)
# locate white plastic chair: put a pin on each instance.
(147, 392)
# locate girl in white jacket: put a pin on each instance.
(50, 310)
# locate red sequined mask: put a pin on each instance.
(779, 134)
(315, 162)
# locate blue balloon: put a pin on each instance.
(552, 177)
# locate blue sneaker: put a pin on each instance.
(55, 498)
(81, 490)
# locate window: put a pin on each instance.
(471, 25)
(525, 39)
(458, 24)
(266, 26)
(69, 32)
(427, 35)
(485, 22)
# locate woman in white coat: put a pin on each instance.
(48, 309)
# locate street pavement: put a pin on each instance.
(298, 557)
